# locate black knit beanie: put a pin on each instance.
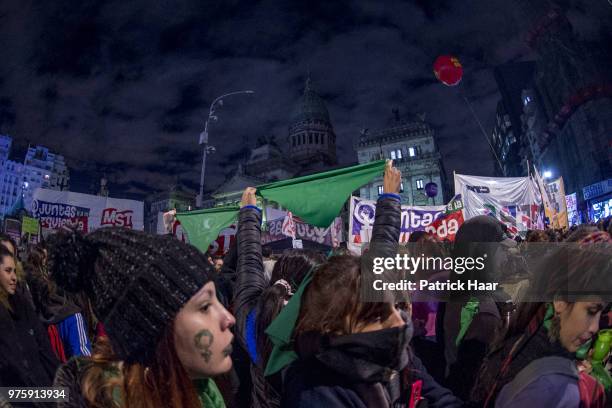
(137, 282)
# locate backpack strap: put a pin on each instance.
(538, 368)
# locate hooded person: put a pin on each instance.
(336, 349)
(168, 334)
(472, 320)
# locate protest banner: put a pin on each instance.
(29, 226)
(432, 219)
(275, 230)
(515, 201)
(278, 229)
(30, 229)
(446, 226)
(55, 209)
(553, 197)
(571, 203)
(12, 228)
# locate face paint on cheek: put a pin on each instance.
(203, 340)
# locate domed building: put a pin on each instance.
(311, 137)
(309, 147)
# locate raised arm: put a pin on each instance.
(388, 219)
(251, 281)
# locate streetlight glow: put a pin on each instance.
(547, 174)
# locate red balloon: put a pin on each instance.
(448, 70)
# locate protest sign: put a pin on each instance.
(55, 209)
(571, 203)
(432, 219)
(514, 201)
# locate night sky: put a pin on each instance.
(123, 87)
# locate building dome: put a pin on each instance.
(310, 107)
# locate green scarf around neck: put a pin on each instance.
(209, 394)
(280, 331)
(468, 311)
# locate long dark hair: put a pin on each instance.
(7, 238)
(587, 270)
(4, 296)
(331, 304)
(291, 267)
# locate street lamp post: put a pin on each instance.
(206, 149)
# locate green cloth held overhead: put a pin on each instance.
(203, 226)
(318, 198)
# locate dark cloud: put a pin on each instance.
(123, 88)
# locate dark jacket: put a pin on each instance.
(250, 284)
(50, 302)
(480, 236)
(531, 348)
(355, 371)
(464, 364)
(226, 280)
(26, 358)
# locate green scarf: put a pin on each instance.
(281, 330)
(318, 198)
(203, 226)
(548, 316)
(467, 315)
(209, 394)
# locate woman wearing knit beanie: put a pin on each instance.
(168, 334)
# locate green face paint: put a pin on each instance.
(203, 340)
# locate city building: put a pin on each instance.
(508, 139)
(40, 168)
(174, 198)
(311, 142)
(569, 128)
(410, 142)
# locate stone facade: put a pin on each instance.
(311, 147)
(410, 142)
(174, 197)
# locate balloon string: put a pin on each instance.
(483, 132)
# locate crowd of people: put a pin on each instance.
(122, 318)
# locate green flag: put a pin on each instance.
(318, 198)
(203, 226)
